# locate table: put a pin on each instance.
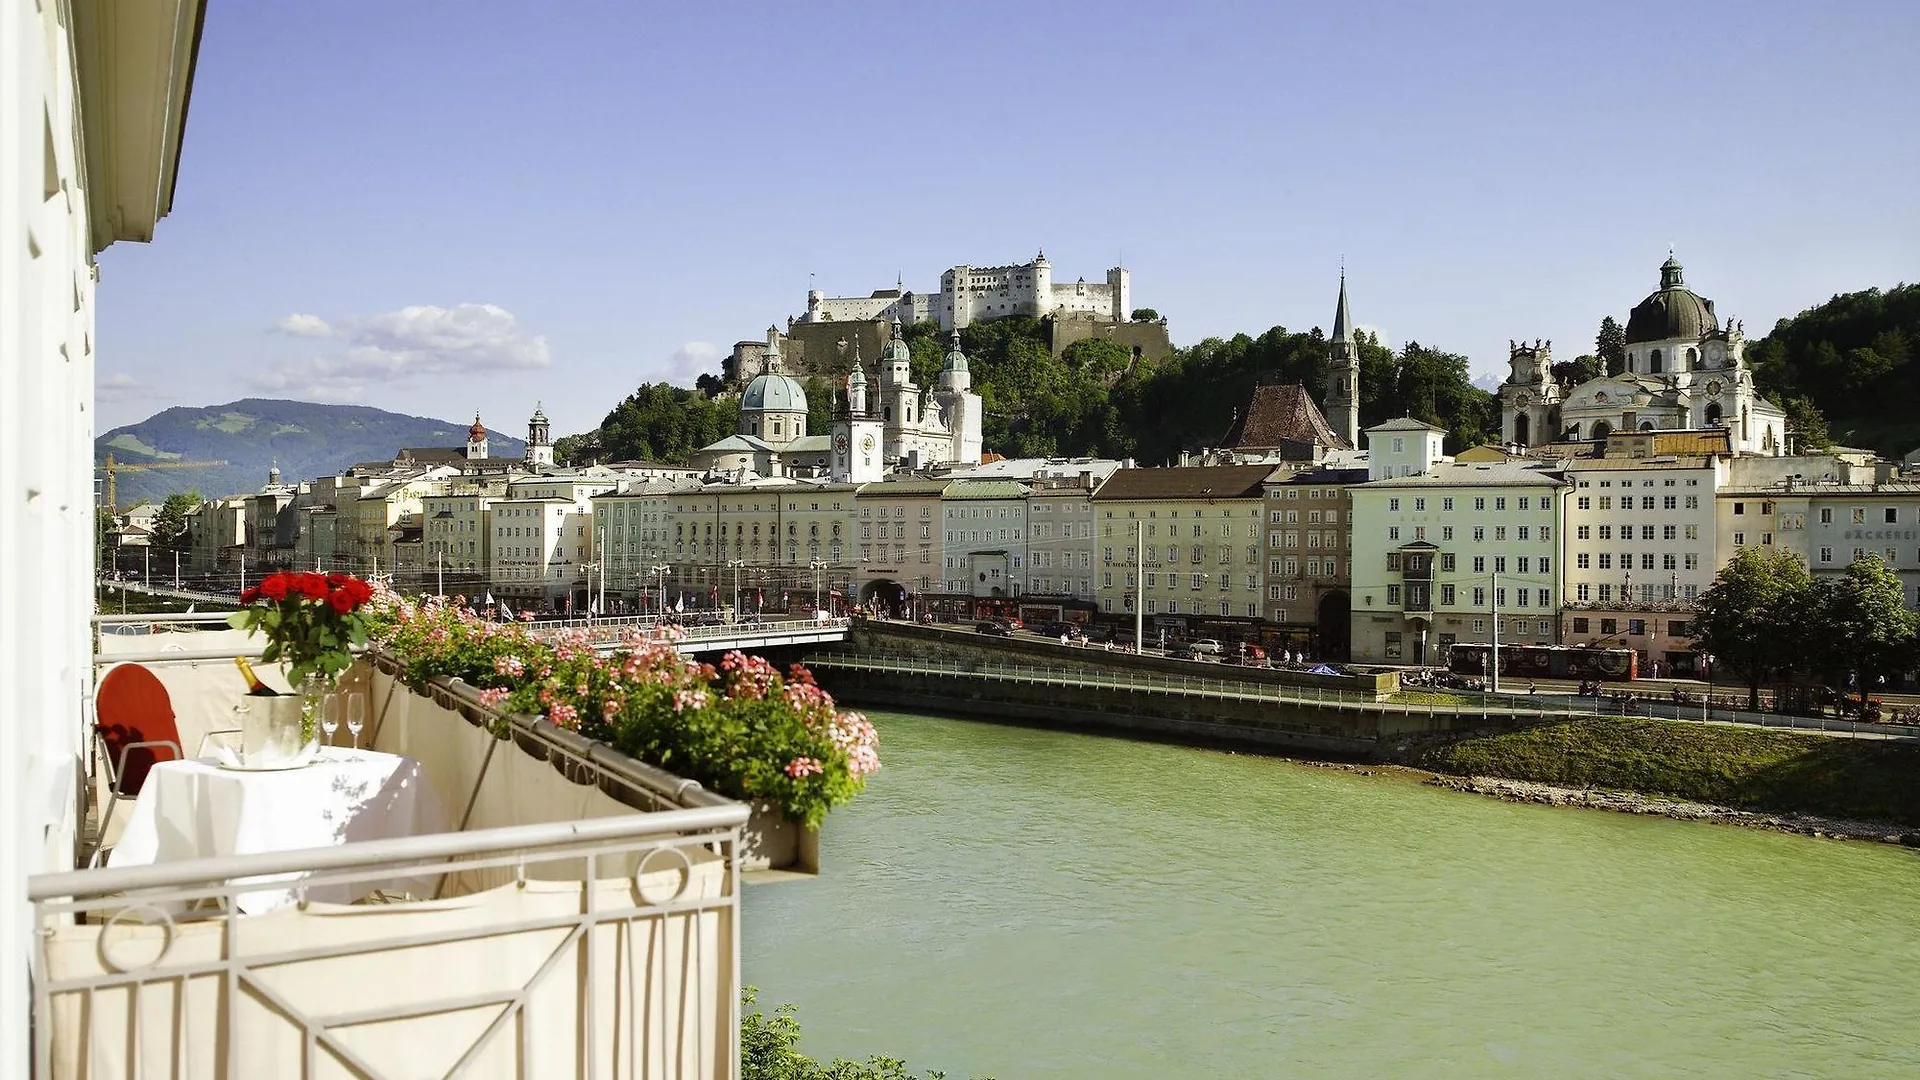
(196, 809)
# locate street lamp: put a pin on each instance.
(736, 564)
(816, 566)
(660, 572)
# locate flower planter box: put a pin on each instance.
(773, 841)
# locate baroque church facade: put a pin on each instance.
(883, 424)
(1685, 370)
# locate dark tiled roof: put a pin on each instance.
(431, 455)
(1191, 482)
(1277, 415)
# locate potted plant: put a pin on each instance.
(312, 622)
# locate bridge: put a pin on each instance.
(745, 635)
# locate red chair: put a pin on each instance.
(133, 719)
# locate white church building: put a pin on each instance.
(1685, 369)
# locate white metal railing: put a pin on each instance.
(741, 629)
(614, 952)
(1465, 704)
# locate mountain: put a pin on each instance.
(253, 434)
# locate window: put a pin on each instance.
(1859, 515)
(1693, 501)
(1393, 595)
(1606, 501)
(1826, 515)
(1739, 539)
(1584, 503)
(1393, 533)
(1670, 502)
(1393, 506)
(1499, 564)
(1479, 564)
(1393, 636)
(1446, 595)
(1499, 532)
(1479, 504)
(1522, 532)
(1446, 563)
(1500, 502)
(1446, 504)
(1479, 533)
(1584, 532)
(1446, 532)
(1479, 625)
(1580, 625)
(1606, 560)
(1893, 516)
(1826, 553)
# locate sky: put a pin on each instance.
(442, 208)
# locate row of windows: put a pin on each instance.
(1667, 502)
(1312, 493)
(1643, 483)
(1172, 607)
(1523, 502)
(1635, 627)
(1314, 517)
(1314, 567)
(1521, 532)
(1667, 532)
(1668, 561)
(1648, 592)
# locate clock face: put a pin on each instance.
(1713, 386)
(866, 443)
(840, 443)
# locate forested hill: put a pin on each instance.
(1094, 399)
(1856, 360)
(252, 435)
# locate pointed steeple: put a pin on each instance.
(1342, 322)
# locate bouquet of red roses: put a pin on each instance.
(312, 621)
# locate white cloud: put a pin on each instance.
(401, 346)
(690, 361)
(116, 387)
(300, 325)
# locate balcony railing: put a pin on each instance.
(581, 919)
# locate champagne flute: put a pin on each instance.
(356, 716)
(330, 715)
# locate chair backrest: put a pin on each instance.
(131, 705)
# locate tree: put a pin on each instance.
(710, 384)
(1610, 345)
(1578, 370)
(1145, 314)
(1804, 417)
(1751, 618)
(1859, 624)
(170, 524)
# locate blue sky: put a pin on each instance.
(439, 207)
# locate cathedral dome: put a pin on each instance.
(1675, 311)
(773, 393)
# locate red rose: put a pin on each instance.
(249, 595)
(360, 591)
(338, 580)
(274, 587)
(341, 602)
(313, 586)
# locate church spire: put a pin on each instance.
(1343, 374)
(1342, 322)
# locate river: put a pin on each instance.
(1019, 903)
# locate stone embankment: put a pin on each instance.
(1626, 802)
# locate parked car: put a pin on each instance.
(1062, 629)
(1209, 646)
(1181, 650)
(995, 628)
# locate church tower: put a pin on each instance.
(899, 397)
(539, 439)
(476, 439)
(1343, 374)
(963, 406)
(859, 456)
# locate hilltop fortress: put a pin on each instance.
(824, 339)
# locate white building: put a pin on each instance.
(1060, 538)
(899, 425)
(1639, 550)
(1684, 369)
(970, 294)
(1403, 447)
(983, 537)
(93, 100)
(1436, 553)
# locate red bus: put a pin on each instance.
(1548, 661)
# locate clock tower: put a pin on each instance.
(859, 451)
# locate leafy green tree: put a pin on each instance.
(575, 449)
(1853, 359)
(170, 524)
(1610, 346)
(1858, 624)
(1578, 370)
(1804, 417)
(1144, 314)
(1751, 618)
(659, 422)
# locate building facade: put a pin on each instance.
(899, 543)
(1457, 553)
(1185, 545)
(1309, 546)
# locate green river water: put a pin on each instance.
(1026, 904)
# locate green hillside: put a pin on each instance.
(1856, 359)
(1093, 399)
(252, 435)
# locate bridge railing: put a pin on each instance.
(610, 630)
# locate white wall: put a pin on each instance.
(46, 487)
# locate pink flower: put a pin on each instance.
(494, 697)
(802, 767)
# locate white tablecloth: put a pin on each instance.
(195, 809)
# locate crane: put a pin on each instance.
(110, 467)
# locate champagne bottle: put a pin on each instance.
(255, 688)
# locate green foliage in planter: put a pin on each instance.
(770, 1050)
(742, 730)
